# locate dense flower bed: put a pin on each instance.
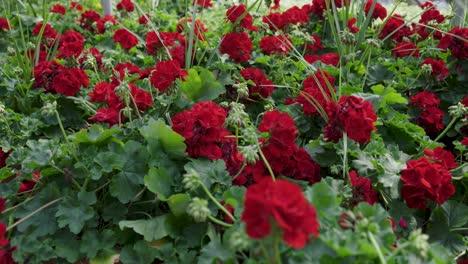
(331, 132)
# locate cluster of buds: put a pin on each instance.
(191, 180)
(237, 115)
(198, 209)
(458, 110)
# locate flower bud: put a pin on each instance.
(239, 240)
(191, 180)
(250, 153)
(242, 89)
(458, 110)
(237, 116)
(426, 69)
(198, 209)
(419, 241)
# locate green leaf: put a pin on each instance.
(455, 213)
(75, 212)
(178, 203)
(140, 253)
(93, 242)
(200, 85)
(159, 181)
(109, 161)
(172, 142)
(324, 198)
(152, 229)
(211, 171)
(96, 134)
(66, 244)
(215, 251)
(389, 95)
(124, 188)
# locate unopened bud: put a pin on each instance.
(191, 180)
(198, 209)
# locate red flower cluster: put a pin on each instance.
(457, 45)
(239, 12)
(431, 117)
(185, 24)
(292, 16)
(27, 185)
(4, 25)
(425, 180)
(44, 73)
(160, 41)
(101, 23)
(316, 93)
(395, 26)
(284, 203)
(352, 115)
(319, 6)
(59, 9)
(5, 250)
(351, 25)
(438, 68)
(263, 86)
(49, 31)
(329, 58)
(276, 44)
(3, 157)
(2, 204)
(442, 157)
(205, 134)
(126, 5)
(202, 3)
(281, 152)
(69, 81)
(362, 189)
(378, 12)
(166, 73)
(71, 44)
(126, 39)
(88, 18)
(237, 45)
(403, 49)
(431, 14)
(315, 45)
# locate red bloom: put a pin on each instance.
(458, 46)
(165, 39)
(275, 44)
(126, 39)
(430, 14)
(2, 205)
(88, 18)
(379, 10)
(126, 5)
(59, 9)
(276, 4)
(283, 202)
(45, 72)
(438, 68)
(143, 20)
(101, 23)
(203, 3)
(431, 118)
(237, 45)
(396, 27)
(464, 142)
(352, 115)
(185, 24)
(350, 25)
(315, 45)
(75, 5)
(362, 189)
(442, 157)
(6, 256)
(424, 180)
(239, 12)
(71, 44)
(28, 185)
(69, 81)
(263, 86)
(330, 58)
(403, 49)
(142, 98)
(107, 115)
(4, 25)
(275, 21)
(3, 240)
(48, 32)
(166, 73)
(3, 157)
(295, 15)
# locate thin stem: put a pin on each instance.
(277, 251)
(219, 222)
(377, 247)
(265, 161)
(454, 120)
(345, 154)
(33, 213)
(220, 206)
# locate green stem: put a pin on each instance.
(377, 247)
(277, 251)
(265, 161)
(33, 213)
(16, 206)
(345, 154)
(219, 222)
(220, 206)
(454, 120)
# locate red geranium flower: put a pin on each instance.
(262, 86)
(236, 12)
(69, 81)
(165, 39)
(3, 157)
(27, 185)
(284, 203)
(203, 3)
(350, 25)
(464, 141)
(48, 32)
(403, 49)
(396, 27)
(75, 5)
(425, 100)
(352, 115)
(276, 44)
(4, 25)
(126, 39)
(107, 115)
(88, 18)
(59, 9)
(3, 240)
(424, 180)
(315, 45)
(442, 157)
(438, 68)
(166, 73)
(430, 14)
(379, 10)
(71, 44)
(457, 45)
(295, 15)
(142, 98)
(362, 189)
(185, 24)
(237, 45)
(431, 118)
(2, 204)
(44, 74)
(101, 23)
(126, 5)
(275, 21)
